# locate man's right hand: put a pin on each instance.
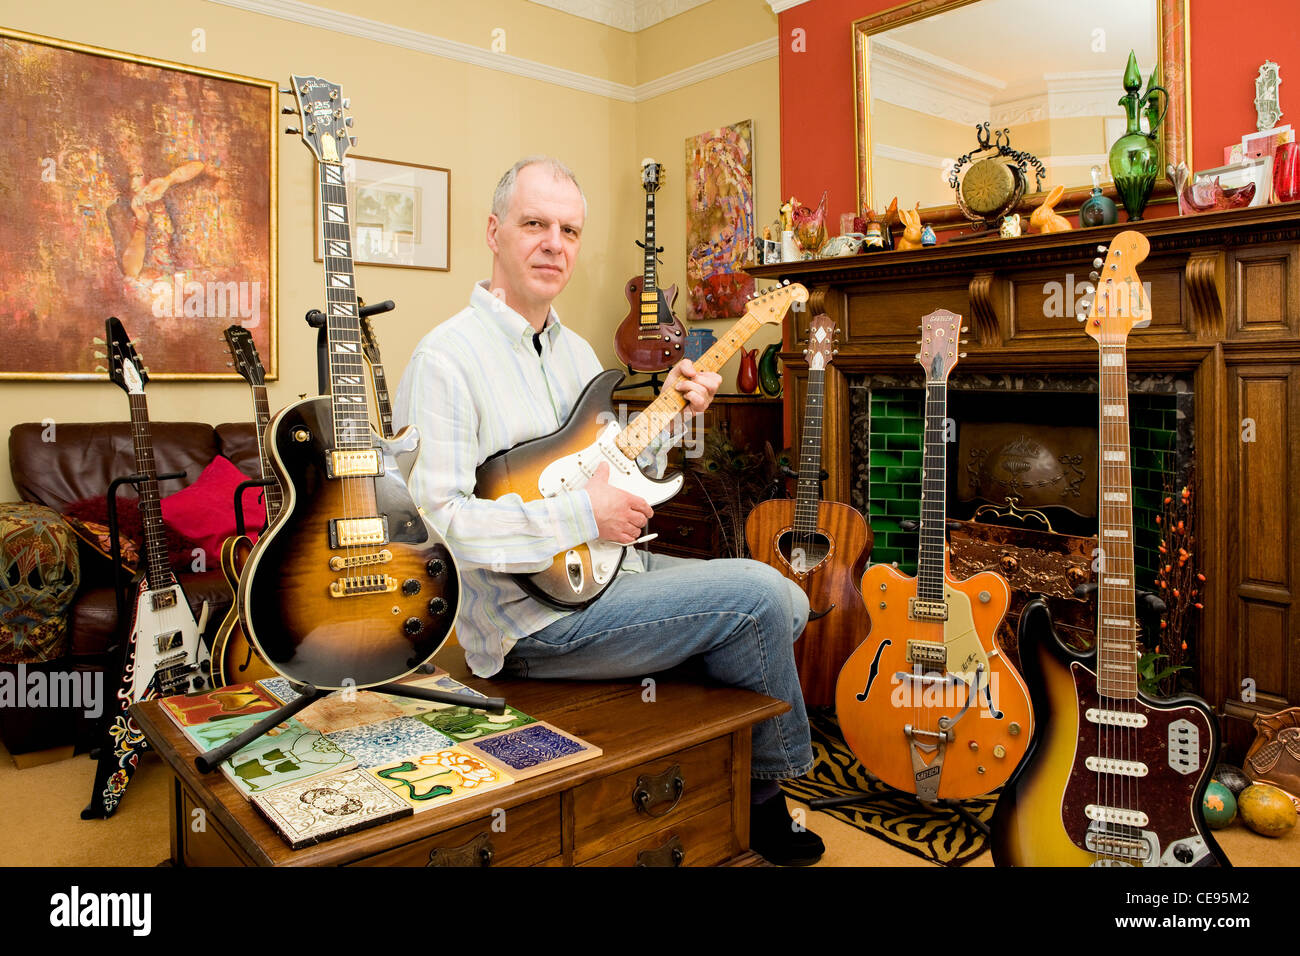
(620, 516)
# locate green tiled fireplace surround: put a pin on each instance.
(896, 428)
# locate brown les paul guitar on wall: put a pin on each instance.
(563, 460)
(650, 339)
(927, 702)
(1113, 777)
(820, 545)
(350, 585)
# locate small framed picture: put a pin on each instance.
(400, 214)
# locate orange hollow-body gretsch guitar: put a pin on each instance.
(927, 702)
(819, 545)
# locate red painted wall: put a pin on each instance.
(1229, 41)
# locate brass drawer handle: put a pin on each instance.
(654, 789)
(477, 852)
(685, 530)
(671, 853)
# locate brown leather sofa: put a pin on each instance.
(80, 464)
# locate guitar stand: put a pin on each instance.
(654, 382)
(316, 319)
(207, 762)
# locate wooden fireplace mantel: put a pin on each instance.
(1225, 302)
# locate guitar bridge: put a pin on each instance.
(360, 560)
(363, 584)
(358, 532)
(919, 610)
(354, 463)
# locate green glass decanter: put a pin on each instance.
(1135, 157)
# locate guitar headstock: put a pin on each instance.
(1119, 302)
(940, 339)
(124, 366)
(324, 127)
(821, 342)
(772, 305)
(247, 362)
(368, 343)
(652, 175)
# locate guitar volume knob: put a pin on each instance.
(436, 567)
(410, 587)
(413, 626)
(437, 607)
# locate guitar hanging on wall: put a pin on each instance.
(163, 653)
(350, 587)
(650, 338)
(927, 702)
(1113, 777)
(563, 460)
(234, 659)
(820, 545)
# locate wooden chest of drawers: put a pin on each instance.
(671, 789)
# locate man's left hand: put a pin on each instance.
(697, 387)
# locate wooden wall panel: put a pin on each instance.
(1262, 651)
(1265, 292)
(1263, 477)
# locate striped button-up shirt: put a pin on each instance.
(475, 386)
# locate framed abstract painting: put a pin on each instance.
(136, 188)
(719, 221)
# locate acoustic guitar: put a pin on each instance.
(1113, 777)
(563, 460)
(650, 338)
(820, 545)
(234, 659)
(927, 702)
(163, 652)
(350, 587)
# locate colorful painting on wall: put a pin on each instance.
(139, 189)
(719, 220)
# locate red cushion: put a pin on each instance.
(205, 511)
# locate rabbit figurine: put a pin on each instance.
(1045, 218)
(911, 238)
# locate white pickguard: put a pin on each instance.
(572, 471)
(166, 644)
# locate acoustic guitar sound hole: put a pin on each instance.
(803, 551)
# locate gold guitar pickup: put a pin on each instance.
(358, 532)
(363, 584)
(355, 463)
(918, 610)
(927, 654)
(338, 563)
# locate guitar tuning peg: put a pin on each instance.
(100, 355)
(292, 131)
(1102, 250)
(961, 354)
(352, 141)
(97, 340)
(1094, 275)
(230, 365)
(965, 328)
(284, 92)
(348, 122)
(1098, 262)
(786, 282)
(100, 368)
(347, 102)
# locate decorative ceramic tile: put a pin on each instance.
(344, 710)
(328, 807)
(280, 688)
(430, 780)
(220, 703)
(467, 723)
(412, 706)
(216, 732)
(395, 739)
(291, 754)
(537, 748)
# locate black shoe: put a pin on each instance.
(774, 836)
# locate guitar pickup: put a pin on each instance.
(918, 610)
(162, 600)
(168, 641)
(354, 463)
(927, 654)
(363, 584)
(358, 532)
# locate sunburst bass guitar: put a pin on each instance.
(927, 702)
(563, 460)
(1113, 777)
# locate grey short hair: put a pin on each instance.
(506, 187)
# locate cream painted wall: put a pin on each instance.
(419, 108)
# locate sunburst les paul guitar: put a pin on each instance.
(927, 702)
(820, 545)
(563, 460)
(234, 659)
(1113, 777)
(350, 586)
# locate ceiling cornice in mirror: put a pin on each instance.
(628, 15)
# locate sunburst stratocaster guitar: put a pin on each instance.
(566, 458)
(1113, 777)
(650, 338)
(927, 702)
(350, 586)
(820, 545)
(234, 659)
(163, 653)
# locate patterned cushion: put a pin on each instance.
(39, 574)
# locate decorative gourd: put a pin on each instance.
(1266, 810)
(769, 376)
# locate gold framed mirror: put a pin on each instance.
(940, 68)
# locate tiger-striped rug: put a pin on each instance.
(931, 833)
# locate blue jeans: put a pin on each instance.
(740, 617)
